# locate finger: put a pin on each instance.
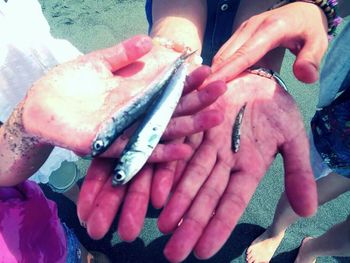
(236, 197)
(196, 78)
(183, 126)
(194, 141)
(307, 63)
(135, 205)
(299, 181)
(170, 152)
(195, 101)
(187, 234)
(162, 183)
(265, 39)
(196, 173)
(105, 208)
(124, 53)
(96, 176)
(179, 172)
(240, 36)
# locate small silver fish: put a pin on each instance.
(148, 134)
(236, 131)
(136, 107)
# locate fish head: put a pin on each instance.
(128, 166)
(99, 146)
(119, 177)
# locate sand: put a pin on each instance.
(94, 24)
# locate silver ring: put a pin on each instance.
(268, 73)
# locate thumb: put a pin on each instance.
(308, 60)
(125, 52)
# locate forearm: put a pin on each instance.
(20, 154)
(181, 21)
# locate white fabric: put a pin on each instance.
(27, 52)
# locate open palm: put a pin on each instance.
(70, 103)
(225, 181)
(99, 201)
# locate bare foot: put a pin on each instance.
(97, 257)
(92, 256)
(263, 247)
(304, 254)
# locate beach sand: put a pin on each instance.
(93, 24)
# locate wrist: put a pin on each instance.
(180, 30)
(20, 153)
(328, 7)
(17, 137)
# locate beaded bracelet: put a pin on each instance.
(329, 8)
(177, 47)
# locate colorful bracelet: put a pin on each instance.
(329, 8)
(176, 46)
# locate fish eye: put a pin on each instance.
(98, 145)
(119, 175)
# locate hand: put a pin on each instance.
(225, 181)
(99, 202)
(300, 27)
(76, 97)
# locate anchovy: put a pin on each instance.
(136, 107)
(148, 134)
(236, 131)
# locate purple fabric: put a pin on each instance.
(30, 230)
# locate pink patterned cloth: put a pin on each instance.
(30, 230)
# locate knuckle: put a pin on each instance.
(245, 59)
(218, 59)
(236, 202)
(275, 22)
(211, 192)
(199, 222)
(183, 194)
(199, 169)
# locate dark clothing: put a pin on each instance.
(331, 132)
(220, 17)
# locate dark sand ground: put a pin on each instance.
(92, 24)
